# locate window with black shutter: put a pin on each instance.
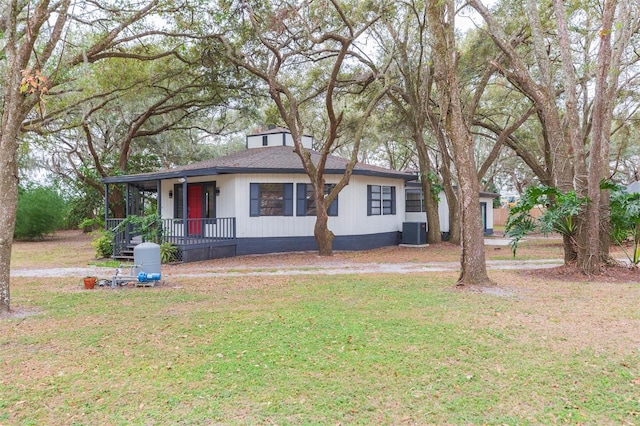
(306, 203)
(381, 200)
(271, 199)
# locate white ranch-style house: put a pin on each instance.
(259, 201)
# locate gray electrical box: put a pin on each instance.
(414, 233)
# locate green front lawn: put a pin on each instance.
(348, 349)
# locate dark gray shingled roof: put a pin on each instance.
(280, 159)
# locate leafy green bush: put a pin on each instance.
(41, 210)
(103, 244)
(168, 253)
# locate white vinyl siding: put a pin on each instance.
(234, 200)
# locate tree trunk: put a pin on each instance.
(474, 270)
(455, 230)
(582, 180)
(323, 235)
(117, 203)
(8, 204)
(14, 109)
(605, 227)
(570, 249)
(441, 22)
(11, 121)
(447, 182)
(25, 43)
(598, 211)
(434, 234)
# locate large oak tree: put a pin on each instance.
(575, 104)
(39, 55)
(404, 39)
(307, 53)
(441, 20)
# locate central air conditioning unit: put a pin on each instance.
(414, 233)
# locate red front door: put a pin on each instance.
(194, 209)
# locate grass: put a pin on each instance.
(110, 263)
(350, 349)
(63, 249)
(314, 349)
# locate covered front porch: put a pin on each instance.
(195, 231)
(195, 239)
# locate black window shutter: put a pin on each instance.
(333, 208)
(288, 199)
(254, 208)
(393, 200)
(301, 200)
(368, 200)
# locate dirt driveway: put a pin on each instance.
(69, 254)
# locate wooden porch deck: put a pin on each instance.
(196, 239)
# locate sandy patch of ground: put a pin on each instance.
(68, 254)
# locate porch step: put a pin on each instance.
(123, 258)
(126, 254)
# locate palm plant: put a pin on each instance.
(559, 212)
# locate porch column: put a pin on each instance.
(106, 204)
(126, 202)
(158, 189)
(185, 209)
(127, 229)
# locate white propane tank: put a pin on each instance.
(146, 257)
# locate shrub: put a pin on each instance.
(41, 210)
(168, 253)
(103, 244)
